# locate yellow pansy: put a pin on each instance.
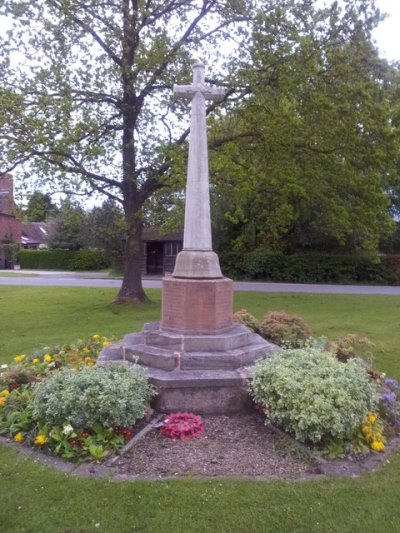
(5, 392)
(47, 358)
(19, 437)
(366, 431)
(372, 418)
(96, 336)
(2, 401)
(106, 343)
(377, 445)
(35, 361)
(20, 358)
(40, 440)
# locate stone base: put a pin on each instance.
(196, 305)
(197, 264)
(202, 373)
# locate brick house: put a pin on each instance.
(10, 226)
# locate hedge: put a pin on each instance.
(313, 268)
(86, 259)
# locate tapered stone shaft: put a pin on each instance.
(197, 260)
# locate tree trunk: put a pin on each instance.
(132, 289)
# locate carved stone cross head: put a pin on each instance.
(198, 87)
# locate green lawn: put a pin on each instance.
(37, 498)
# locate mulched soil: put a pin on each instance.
(239, 445)
(231, 446)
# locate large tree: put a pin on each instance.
(88, 104)
(314, 165)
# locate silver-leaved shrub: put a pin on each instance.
(114, 395)
(313, 395)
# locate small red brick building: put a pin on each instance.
(160, 251)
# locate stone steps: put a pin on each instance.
(230, 338)
(203, 373)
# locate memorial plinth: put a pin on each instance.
(198, 359)
(197, 305)
(203, 373)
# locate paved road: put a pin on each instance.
(74, 279)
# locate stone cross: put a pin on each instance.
(197, 229)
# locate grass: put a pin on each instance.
(15, 275)
(33, 316)
(37, 316)
(36, 498)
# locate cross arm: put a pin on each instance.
(188, 91)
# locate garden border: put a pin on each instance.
(345, 467)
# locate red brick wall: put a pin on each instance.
(6, 194)
(9, 225)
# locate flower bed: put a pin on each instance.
(323, 394)
(58, 401)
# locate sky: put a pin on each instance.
(387, 35)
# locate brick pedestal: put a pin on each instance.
(193, 305)
(196, 357)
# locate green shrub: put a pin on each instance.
(349, 346)
(10, 251)
(85, 259)
(314, 396)
(247, 319)
(312, 267)
(283, 329)
(114, 395)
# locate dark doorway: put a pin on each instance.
(155, 258)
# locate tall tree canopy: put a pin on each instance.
(314, 160)
(89, 104)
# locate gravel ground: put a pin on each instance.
(230, 446)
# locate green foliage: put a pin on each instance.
(284, 329)
(313, 395)
(105, 229)
(312, 267)
(40, 207)
(63, 259)
(349, 346)
(116, 395)
(10, 248)
(70, 224)
(244, 317)
(309, 160)
(10, 251)
(88, 260)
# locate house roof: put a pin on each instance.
(36, 232)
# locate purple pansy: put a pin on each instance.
(391, 382)
(388, 397)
